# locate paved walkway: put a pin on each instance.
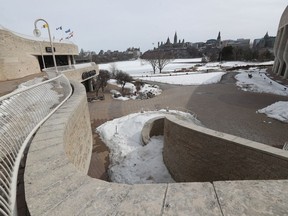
(223, 107)
(10, 85)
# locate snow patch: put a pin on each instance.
(259, 82)
(130, 161)
(278, 110)
(189, 79)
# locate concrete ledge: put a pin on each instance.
(253, 197)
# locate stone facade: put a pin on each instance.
(281, 47)
(195, 154)
(19, 54)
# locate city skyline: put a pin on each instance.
(111, 25)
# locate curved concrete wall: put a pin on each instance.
(71, 127)
(153, 127)
(18, 54)
(281, 47)
(193, 153)
(284, 19)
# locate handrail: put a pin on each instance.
(69, 67)
(21, 114)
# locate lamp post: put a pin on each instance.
(37, 33)
(43, 61)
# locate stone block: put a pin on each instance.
(253, 197)
(191, 199)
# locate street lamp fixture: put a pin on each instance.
(37, 33)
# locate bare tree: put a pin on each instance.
(122, 78)
(163, 58)
(157, 58)
(151, 58)
(113, 69)
(101, 81)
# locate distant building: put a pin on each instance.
(281, 47)
(112, 56)
(243, 43)
(267, 42)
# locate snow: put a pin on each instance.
(193, 60)
(143, 70)
(278, 110)
(262, 84)
(259, 82)
(130, 161)
(132, 89)
(141, 67)
(188, 79)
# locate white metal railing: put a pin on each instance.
(21, 114)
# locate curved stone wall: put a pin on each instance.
(71, 127)
(196, 154)
(280, 66)
(153, 127)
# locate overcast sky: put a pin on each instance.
(119, 24)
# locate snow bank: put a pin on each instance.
(259, 82)
(278, 110)
(189, 79)
(132, 89)
(131, 162)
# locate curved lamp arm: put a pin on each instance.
(37, 33)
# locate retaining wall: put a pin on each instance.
(193, 153)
